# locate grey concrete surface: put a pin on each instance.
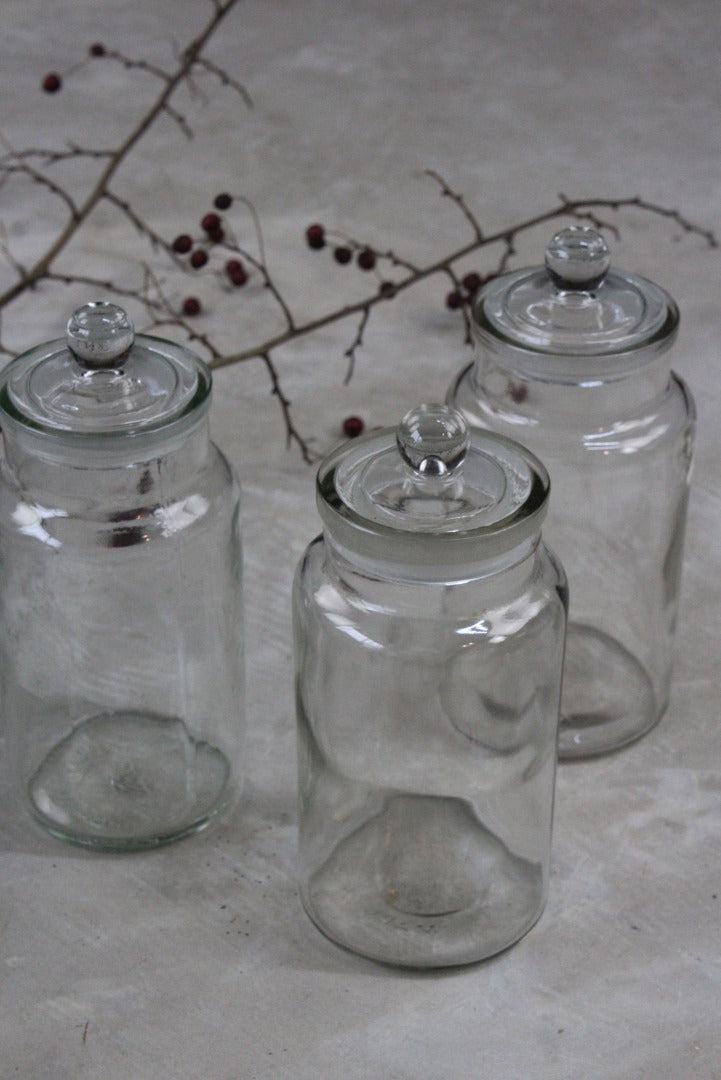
(197, 960)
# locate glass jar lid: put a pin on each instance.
(576, 304)
(102, 380)
(432, 493)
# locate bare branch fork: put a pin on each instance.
(577, 209)
(390, 272)
(99, 191)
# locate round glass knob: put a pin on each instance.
(578, 258)
(433, 439)
(98, 333)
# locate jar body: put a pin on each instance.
(427, 724)
(619, 452)
(121, 641)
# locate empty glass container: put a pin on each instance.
(429, 635)
(572, 360)
(121, 682)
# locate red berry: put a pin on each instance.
(315, 235)
(471, 282)
(454, 300)
(387, 289)
(223, 201)
(198, 258)
(236, 271)
(343, 255)
(52, 83)
(217, 236)
(182, 244)
(366, 259)
(353, 426)
(97, 49)
(191, 306)
(210, 223)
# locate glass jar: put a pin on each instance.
(121, 650)
(572, 360)
(429, 631)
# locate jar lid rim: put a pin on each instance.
(107, 386)
(594, 310)
(372, 503)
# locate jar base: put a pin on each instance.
(127, 781)
(607, 700)
(424, 884)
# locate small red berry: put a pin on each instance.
(97, 49)
(216, 236)
(236, 272)
(366, 259)
(387, 289)
(191, 306)
(198, 258)
(315, 235)
(353, 426)
(454, 300)
(182, 244)
(52, 83)
(223, 201)
(518, 392)
(210, 223)
(343, 255)
(472, 282)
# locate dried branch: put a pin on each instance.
(459, 200)
(355, 344)
(155, 239)
(292, 433)
(261, 263)
(11, 162)
(160, 105)
(22, 165)
(225, 79)
(575, 209)
(390, 271)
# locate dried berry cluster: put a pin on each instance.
(463, 295)
(346, 251)
(214, 232)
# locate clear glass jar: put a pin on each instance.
(572, 360)
(121, 674)
(429, 631)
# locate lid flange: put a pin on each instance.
(575, 305)
(102, 382)
(483, 495)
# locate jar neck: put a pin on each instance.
(103, 474)
(521, 392)
(380, 580)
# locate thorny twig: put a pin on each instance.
(577, 209)
(460, 202)
(99, 190)
(392, 272)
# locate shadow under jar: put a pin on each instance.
(571, 360)
(429, 626)
(121, 652)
